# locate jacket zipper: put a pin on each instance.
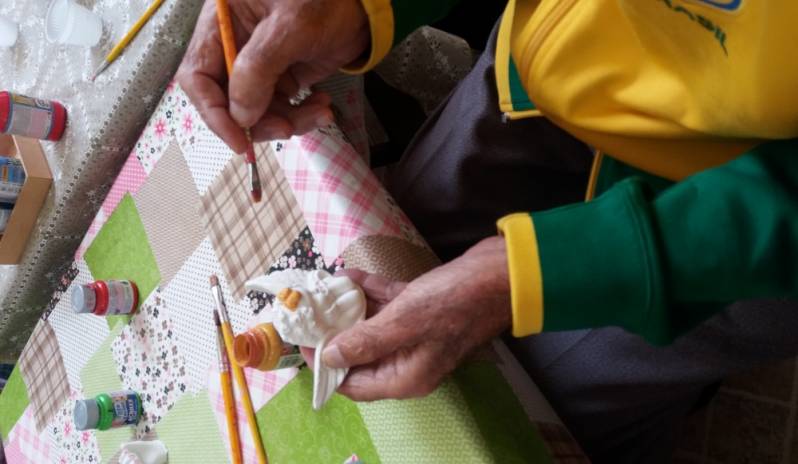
(542, 33)
(548, 23)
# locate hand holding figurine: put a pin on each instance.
(419, 332)
(311, 308)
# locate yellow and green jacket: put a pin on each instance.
(692, 107)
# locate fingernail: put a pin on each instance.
(333, 357)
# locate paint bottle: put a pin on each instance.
(262, 348)
(12, 178)
(5, 215)
(106, 298)
(31, 117)
(107, 410)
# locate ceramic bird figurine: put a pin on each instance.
(312, 307)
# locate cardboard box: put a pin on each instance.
(38, 180)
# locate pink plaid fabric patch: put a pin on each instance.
(25, 443)
(340, 196)
(262, 388)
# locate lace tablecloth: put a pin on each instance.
(105, 119)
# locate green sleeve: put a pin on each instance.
(409, 15)
(659, 265)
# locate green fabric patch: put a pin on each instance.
(292, 432)
(438, 428)
(190, 432)
(510, 436)
(99, 375)
(121, 251)
(13, 402)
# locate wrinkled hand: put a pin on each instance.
(418, 332)
(284, 45)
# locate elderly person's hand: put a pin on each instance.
(420, 331)
(284, 45)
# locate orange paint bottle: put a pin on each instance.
(262, 348)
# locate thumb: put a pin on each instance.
(370, 340)
(270, 51)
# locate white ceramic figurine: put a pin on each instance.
(311, 308)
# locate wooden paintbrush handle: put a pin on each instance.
(230, 413)
(226, 31)
(238, 373)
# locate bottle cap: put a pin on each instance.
(248, 349)
(84, 299)
(86, 414)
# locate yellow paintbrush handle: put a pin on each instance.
(238, 373)
(230, 413)
(131, 34)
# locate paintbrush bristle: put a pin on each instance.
(216, 319)
(214, 281)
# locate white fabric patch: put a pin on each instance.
(78, 335)
(205, 154)
(191, 311)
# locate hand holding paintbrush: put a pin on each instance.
(284, 46)
(230, 52)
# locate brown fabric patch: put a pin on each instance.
(43, 371)
(249, 237)
(390, 257)
(168, 204)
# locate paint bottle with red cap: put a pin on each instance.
(31, 117)
(106, 298)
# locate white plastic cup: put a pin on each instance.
(8, 32)
(72, 24)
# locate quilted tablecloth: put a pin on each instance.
(178, 212)
(105, 119)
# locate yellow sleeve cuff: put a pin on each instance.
(526, 280)
(381, 23)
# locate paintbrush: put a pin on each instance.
(238, 373)
(131, 34)
(230, 52)
(227, 393)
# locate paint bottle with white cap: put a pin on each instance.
(107, 410)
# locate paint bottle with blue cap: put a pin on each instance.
(108, 410)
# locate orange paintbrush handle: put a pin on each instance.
(226, 31)
(238, 373)
(230, 413)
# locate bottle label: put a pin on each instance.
(120, 298)
(9, 191)
(290, 357)
(5, 215)
(11, 170)
(29, 117)
(126, 408)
